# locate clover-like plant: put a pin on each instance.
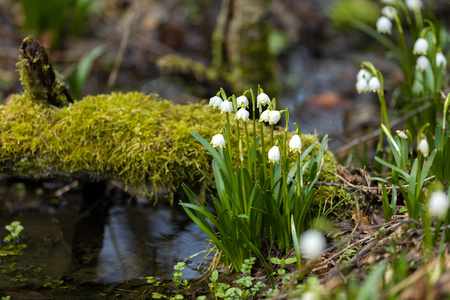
(13, 246)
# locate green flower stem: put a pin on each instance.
(248, 147)
(405, 51)
(383, 115)
(271, 165)
(437, 229)
(238, 130)
(299, 177)
(418, 16)
(254, 135)
(229, 136)
(406, 13)
(244, 193)
(263, 150)
(285, 165)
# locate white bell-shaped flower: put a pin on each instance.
(389, 12)
(401, 134)
(422, 63)
(384, 25)
(423, 147)
(226, 107)
(438, 204)
(242, 101)
(363, 74)
(312, 244)
(243, 114)
(262, 99)
(420, 46)
(274, 117)
(374, 84)
(413, 4)
(264, 116)
(295, 143)
(362, 86)
(274, 154)
(215, 102)
(441, 60)
(218, 141)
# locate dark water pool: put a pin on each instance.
(102, 245)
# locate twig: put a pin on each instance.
(370, 188)
(123, 45)
(396, 223)
(375, 133)
(66, 188)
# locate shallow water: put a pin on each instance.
(102, 245)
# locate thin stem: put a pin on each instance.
(263, 154)
(383, 115)
(248, 148)
(299, 177)
(405, 51)
(244, 193)
(254, 135)
(229, 135)
(284, 167)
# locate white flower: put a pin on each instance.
(226, 107)
(363, 74)
(295, 144)
(274, 154)
(374, 84)
(215, 101)
(384, 25)
(262, 99)
(274, 117)
(438, 204)
(264, 116)
(420, 46)
(312, 244)
(441, 60)
(243, 114)
(389, 11)
(218, 140)
(362, 86)
(423, 147)
(309, 295)
(242, 101)
(401, 134)
(413, 4)
(422, 63)
(388, 1)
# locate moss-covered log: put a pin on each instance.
(134, 138)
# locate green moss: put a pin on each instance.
(135, 138)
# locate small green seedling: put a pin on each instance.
(281, 272)
(12, 239)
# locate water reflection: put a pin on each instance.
(109, 244)
(147, 241)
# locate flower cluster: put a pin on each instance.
(384, 23)
(365, 82)
(270, 116)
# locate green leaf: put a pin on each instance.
(391, 166)
(78, 79)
